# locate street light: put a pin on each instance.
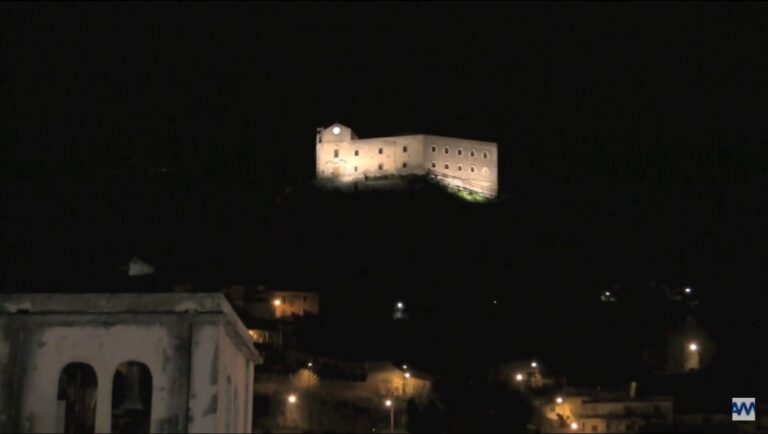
(389, 404)
(309, 365)
(534, 364)
(574, 426)
(292, 399)
(407, 375)
(519, 377)
(405, 366)
(688, 290)
(693, 346)
(400, 305)
(276, 302)
(559, 400)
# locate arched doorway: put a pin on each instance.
(131, 398)
(77, 394)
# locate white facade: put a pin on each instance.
(196, 354)
(466, 164)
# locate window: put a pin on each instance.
(446, 150)
(472, 169)
(405, 149)
(357, 152)
(434, 164)
(77, 394)
(485, 171)
(434, 148)
(446, 166)
(458, 167)
(472, 153)
(381, 151)
(335, 153)
(355, 168)
(131, 398)
(405, 165)
(485, 155)
(381, 166)
(459, 151)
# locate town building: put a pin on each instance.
(595, 411)
(464, 164)
(327, 395)
(171, 362)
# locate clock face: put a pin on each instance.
(336, 130)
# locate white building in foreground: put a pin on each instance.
(466, 164)
(124, 363)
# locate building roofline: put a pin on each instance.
(133, 303)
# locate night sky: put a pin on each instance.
(632, 140)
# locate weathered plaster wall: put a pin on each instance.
(182, 347)
(6, 383)
(48, 344)
(215, 404)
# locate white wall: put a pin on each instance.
(104, 348)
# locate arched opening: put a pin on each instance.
(77, 396)
(131, 398)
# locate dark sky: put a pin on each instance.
(617, 123)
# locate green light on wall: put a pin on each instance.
(469, 196)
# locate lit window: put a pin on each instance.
(357, 152)
(434, 165)
(485, 155)
(485, 171)
(459, 151)
(472, 169)
(446, 166)
(381, 151)
(434, 148)
(446, 150)
(381, 166)
(405, 165)
(405, 149)
(472, 153)
(458, 167)
(335, 153)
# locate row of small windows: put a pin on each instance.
(459, 152)
(381, 166)
(357, 152)
(460, 168)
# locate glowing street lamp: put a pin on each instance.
(400, 305)
(309, 365)
(687, 290)
(693, 346)
(574, 426)
(391, 405)
(405, 366)
(292, 399)
(519, 377)
(559, 399)
(407, 375)
(276, 302)
(534, 364)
